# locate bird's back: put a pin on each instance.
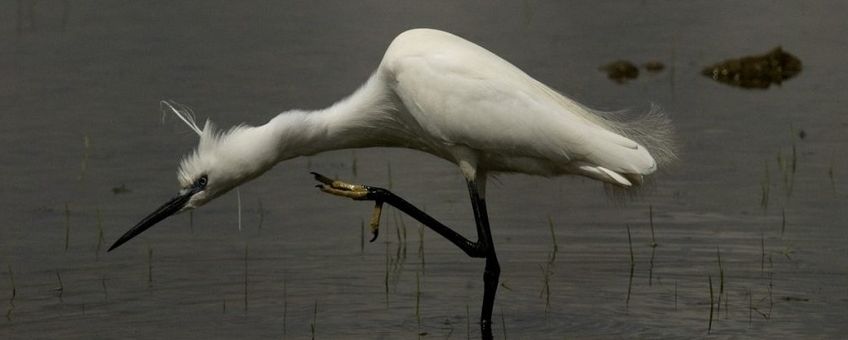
(462, 94)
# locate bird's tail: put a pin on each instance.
(653, 130)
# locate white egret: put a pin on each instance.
(437, 93)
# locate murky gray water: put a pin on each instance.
(95, 70)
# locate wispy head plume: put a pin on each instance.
(182, 112)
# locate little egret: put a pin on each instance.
(437, 93)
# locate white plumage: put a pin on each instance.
(438, 93)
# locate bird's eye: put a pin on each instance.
(201, 182)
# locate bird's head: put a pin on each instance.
(221, 162)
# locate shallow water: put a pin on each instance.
(97, 69)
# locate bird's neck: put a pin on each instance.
(353, 122)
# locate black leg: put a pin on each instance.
(473, 249)
(493, 269)
(483, 248)
(490, 287)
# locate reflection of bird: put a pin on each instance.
(440, 94)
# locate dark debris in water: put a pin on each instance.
(654, 66)
(756, 72)
(795, 299)
(621, 71)
(121, 190)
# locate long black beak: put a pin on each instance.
(171, 207)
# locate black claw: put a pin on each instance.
(375, 233)
(321, 178)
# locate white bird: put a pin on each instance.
(437, 93)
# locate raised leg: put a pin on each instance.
(483, 248)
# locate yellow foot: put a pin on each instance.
(353, 191)
(339, 188)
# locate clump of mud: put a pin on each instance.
(756, 72)
(620, 71)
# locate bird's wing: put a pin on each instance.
(466, 95)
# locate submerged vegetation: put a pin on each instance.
(86, 154)
(67, 227)
(776, 182)
(14, 292)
